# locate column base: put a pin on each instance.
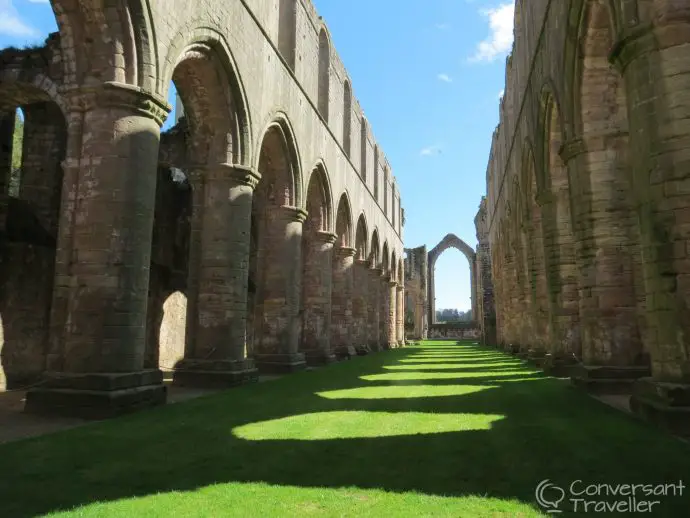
(536, 357)
(607, 380)
(558, 366)
(319, 358)
(393, 344)
(513, 349)
(363, 350)
(215, 373)
(96, 395)
(345, 352)
(374, 347)
(280, 363)
(664, 404)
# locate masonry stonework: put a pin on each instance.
(260, 233)
(587, 193)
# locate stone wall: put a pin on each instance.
(212, 248)
(416, 289)
(586, 192)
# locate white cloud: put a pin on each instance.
(430, 150)
(444, 77)
(500, 39)
(501, 93)
(11, 23)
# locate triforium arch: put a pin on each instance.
(450, 241)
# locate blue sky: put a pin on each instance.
(428, 75)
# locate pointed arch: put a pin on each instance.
(281, 130)
(361, 237)
(343, 221)
(319, 184)
(375, 251)
(219, 110)
(324, 79)
(364, 141)
(287, 31)
(347, 117)
(385, 258)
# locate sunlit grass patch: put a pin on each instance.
(402, 391)
(361, 424)
(420, 375)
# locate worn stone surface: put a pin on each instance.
(587, 193)
(210, 248)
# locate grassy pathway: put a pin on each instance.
(436, 430)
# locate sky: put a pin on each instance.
(429, 76)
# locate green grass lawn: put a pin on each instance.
(440, 429)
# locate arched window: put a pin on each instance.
(287, 30)
(363, 151)
(324, 74)
(376, 173)
(347, 116)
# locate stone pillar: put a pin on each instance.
(317, 288)
(96, 354)
(360, 303)
(374, 309)
(400, 316)
(384, 310)
(655, 63)
(612, 350)
(215, 352)
(342, 301)
(277, 348)
(7, 121)
(392, 329)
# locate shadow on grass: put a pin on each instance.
(510, 432)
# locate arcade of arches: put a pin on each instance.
(254, 235)
(585, 227)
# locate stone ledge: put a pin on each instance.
(318, 358)
(215, 374)
(102, 381)
(559, 366)
(607, 379)
(664, 404)
(280, 363)
(93, 404)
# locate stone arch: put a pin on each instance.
(343, 221)
(363, 149)
(548, 104)
(92, 35)
(207, 79)
(347, 117)
(324, 78)
(376, 173)
(361, 238)
(375, 251)
(283, 134)
(449, 241)
(385, 259)
(287, 31)
(319, 179)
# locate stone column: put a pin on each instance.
(7, 121)
(215, 353)
(317, 289)
(360, 310)
(655, 64)
(374, 309)
(278, 347)
(96, 354)
(612, 349)
(400, 316)
(392, 317)
(384, 308)
(342, 301)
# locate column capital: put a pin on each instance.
(631, 43)
(113, 94)
(234, 173)
(377, 270)
(572, 148)
(346, 251)
(294, 213)
(328, 238)
(392, 283)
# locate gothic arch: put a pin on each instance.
(450, 241)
